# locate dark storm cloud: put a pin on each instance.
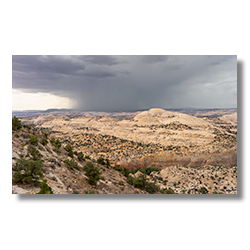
(100, 60)
(47, 64)
(154, 58)
(113, 83)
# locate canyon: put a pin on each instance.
(180, 145)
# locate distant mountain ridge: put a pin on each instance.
(123, 114)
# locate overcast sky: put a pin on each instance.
(123, 83)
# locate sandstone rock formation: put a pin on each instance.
(183, 147)
(157, 135)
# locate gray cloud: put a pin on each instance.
(154, 58)
(113, 83)
(99, 59)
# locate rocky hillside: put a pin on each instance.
(153, 138)
(46, 161)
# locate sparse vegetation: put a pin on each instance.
(28, 171)
(72, 164)
(101, 161)
(203, 190)
(142, 183)
(69, 149)
(148, 171)
(167, 191)
(92, 172)
(45, 189)
(35, 154)
(44, 141)
(27, 126)
(80, 156)
(30, 142)
(33, 140)
(16, 123)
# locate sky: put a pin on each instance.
(123, 83)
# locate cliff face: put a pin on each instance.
(227, 158)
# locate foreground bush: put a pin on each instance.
(92, 172)
(80, 156)
(167, 191)
(28, 171)
(203, 190)
(44, 141)
(58, 143)
(45, 189)
(148, 171)
(16, 123)
(69, 149)
(33, 140)
(101, 161)
(27, 126)
(72, 164)
(142, 183)
(124, 171)
(34, 153)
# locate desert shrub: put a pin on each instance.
(17, 135)
(45, 135)
(101, 161)
(167, 191)
(70, 154)
(72, 164)
(58, 143)
(130, 180)
(80, 156)
(203, 190)
(27, 126)
(151, 188)
(68, 148)
(118, 168)
(140, 182)
(34, 153)
(92, 172)
(28, 171)
(121, 183)
(148, 171)
(52, 140)
(87, 157)
(44, 142)
(45, 189)
(107, 162)
(16, 123)
(161, 179)
(133, 171)
(33, 140)
(125, 172)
